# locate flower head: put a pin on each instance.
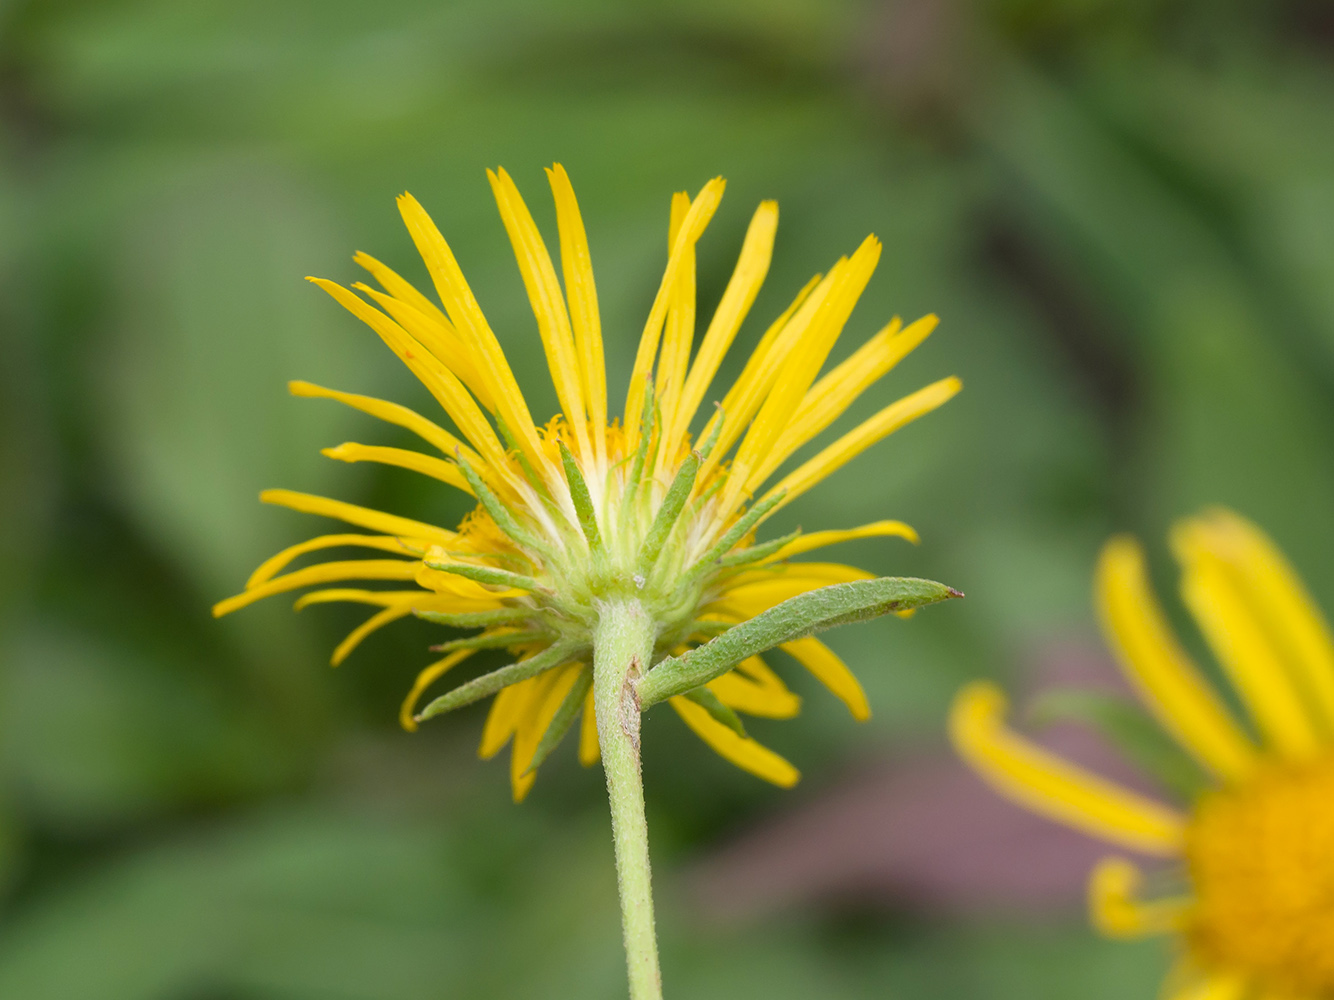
(1255, 844)
(585, 509)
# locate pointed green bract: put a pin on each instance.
(476, 619)
(670, 511)
(489, 684)
(798, 616)
(493, 640)
(734, 534)
(752, 555)
(583, 501)
(498, 511)
(487, 574)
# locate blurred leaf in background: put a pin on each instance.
(1122, 212)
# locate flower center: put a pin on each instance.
(1262, 860)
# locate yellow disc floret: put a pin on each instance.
(1262, 860)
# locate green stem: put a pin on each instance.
(622, 649)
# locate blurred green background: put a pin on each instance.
(1122, 211)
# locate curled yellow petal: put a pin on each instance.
(407, 713)
(738, 691)
(751, 268)
(352, 569)
(376, 621)
(1164, 676)
(547, 692)
(544, 294)
(856, 441)
(468, 319)
(403, 458)
(1217, 598)
(820, 539)
(391, 413)
(692, 227)
(362, 517)
(582, 297)
(1283, 609)
(589, 750)
(742, 751)
(827, 668)
(385, 543)
(1053, 787)
(1116, 909)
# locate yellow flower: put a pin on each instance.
(587, 508)
(1255, 846)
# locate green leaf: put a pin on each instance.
(563, 719)
(711, 703)
(814, 611)
(488, 684)
(1131, 729)
(755, 553)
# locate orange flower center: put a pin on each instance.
(1262, 860)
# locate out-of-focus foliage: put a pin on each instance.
(1123, 212)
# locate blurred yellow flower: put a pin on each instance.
(585, 509)
(1255, 913)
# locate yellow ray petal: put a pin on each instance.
(544, 293)
(402, 289)
(441, 339)
(747, 392)
(752, 267)
(466, 315)
(742, 751)
(750, 593)
(424, 680)
(1218, 986)
(1281, 605)
(1116, 910)
(353, 569)
(442, 383)
(503, 717)
(544, 701)
(392, 413)
(678, 335)
(1163, 675)
(798, 374)
(376, 621)
(830, 398)
(736, 690)
(403, 458)
(701, 212)
(852, 444)
(581, 293)
(820, 539)
(748, 395)
(589, 751)
(1211, 591)
(362, 517)
(385, 543)
(1053, 787)
(832, 672)
(454, 584)
(382, 598)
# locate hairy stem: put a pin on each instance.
(622, 647)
